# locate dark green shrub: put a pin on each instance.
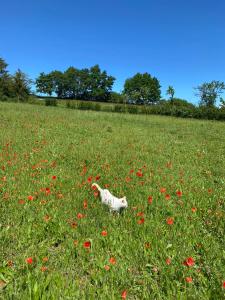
(50, 102)
(132, 109)
(119, 108)
(84, 105)
(97, 107)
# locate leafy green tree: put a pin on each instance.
(209, 92)
(170, 91)
(6, 84)
(21, 85)
(44, 84)
(143, 88)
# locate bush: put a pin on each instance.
(132, 109)
(119, 108)
(50, 102)
(84, 105)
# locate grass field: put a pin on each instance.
(58, 242)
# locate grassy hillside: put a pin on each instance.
(57, 241)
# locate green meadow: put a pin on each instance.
(57, 241)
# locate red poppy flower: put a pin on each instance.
(167, 197)
(107, 267)
(31, 198)
(139, 174)
(80, 216)
(209, 191)
(85, 204)
(47, 218)
(29, 260)
(223, 284)
(45, 259)
(131, 171)
(124, 294)
(47, 191)
(97, 177)
(54, 177)
(128, 179)
(188, 279)
(141, 221)
(89, 179)
(150, 199)
(44, 268)
(179, 193)
(10, 263)
(170, 221)
(112, 260)
(147, 245)
(168, 261)
(106, 185)
(162, 190)
(95, 194)
(104, 233)
(194, 209)
(73, 224)
(189, 262)
(87, 244)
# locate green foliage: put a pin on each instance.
(51, 102)
(209, 92)
(142, 88)
(84, 84)
(117, 97)
(120, 108)
(170, 91)
(21, 86)
(132, 109)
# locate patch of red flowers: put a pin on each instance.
(29, 260)
(139, 174)
(97, 177)
(150, 199)
(141, 221)
(124, 294)
(167, 197)
(170, 221)
(189, 262)
(112, 260)
(89, 179)
(85, 204)
(188, 279)
(179, 193)
(194, 209)
(87, 244)
(80, 216)
(54, 177)
(31, 198)
(104, 233)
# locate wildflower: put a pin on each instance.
(75, 242)
(47, 191)
(104, 233)
(73, 224)
(31, 198)
(107, 267)
(97, 177)
(112, 260)
(168, 261)
(47, 218)
(21, 201)
(10, 263)
(141, 221)
(140, 214)
(124, 294)
(85, 204)
(139, 174)
(80, 216)
(194, 209)
(167, 197)
(223, 284)
(170, 221)
(54, 177)
(87, 244)
(29, 260)
(127, 179)
(150, 199)
(89, 179)
(162, 190)
(95, 194)
(179, 193)
(131, 171)
(147, 245)
(44, 268)
(189, 262)
(45, 259)
(188, 279)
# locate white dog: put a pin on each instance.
(114, 203)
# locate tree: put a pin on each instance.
(44, 84)
(142, 88)
(170, 91)
(21, 85)
(209, 92)
(6, 85)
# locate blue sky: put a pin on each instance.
(182, 43)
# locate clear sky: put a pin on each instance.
(181, 42)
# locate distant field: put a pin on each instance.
(58, 242)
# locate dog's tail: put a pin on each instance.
(97, 186)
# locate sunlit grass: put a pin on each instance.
(172, 172)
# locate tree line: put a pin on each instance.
(93, 84)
